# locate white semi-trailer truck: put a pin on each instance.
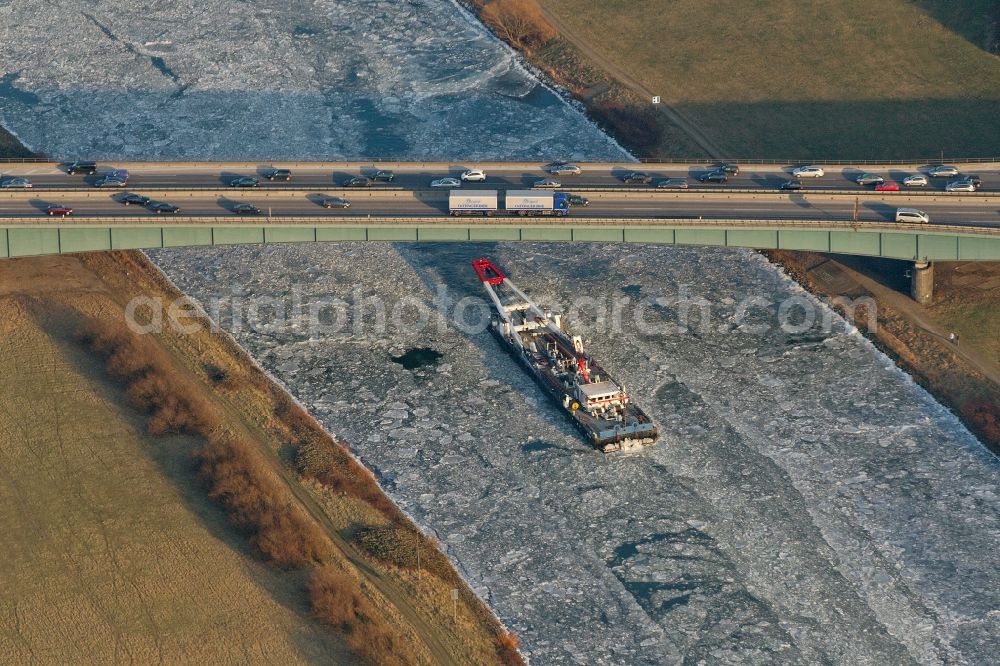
(472, 202)
(532, 202)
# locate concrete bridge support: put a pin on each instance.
(922, 282)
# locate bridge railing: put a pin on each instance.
(643, 160)
(665, 221)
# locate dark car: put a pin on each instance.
(163, 208)
(726, 168)
(637, 177)
(791, 185)
(246, 209)
(244, 181)
(972, 178)
(383, 175)
(336, 202)
(869, 179)
(61, 211)
(81, 166)
(357, 181)
(278, 174)
(111, 181)
(713, 177)
(577, 200)
(130, 198)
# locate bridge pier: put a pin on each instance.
(922, 282)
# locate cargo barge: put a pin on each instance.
(598, 405)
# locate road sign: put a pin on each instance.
(656, 99)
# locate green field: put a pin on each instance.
(835, 80)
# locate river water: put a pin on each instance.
(807, 503)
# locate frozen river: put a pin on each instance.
(269, 79)
(807, 502)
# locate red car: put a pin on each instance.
(61, 211)
(887, 186)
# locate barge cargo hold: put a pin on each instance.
(598, 405)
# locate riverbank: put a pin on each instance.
(963, 376)
(620, 108)
(11, 146)
(212, 434)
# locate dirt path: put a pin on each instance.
(593, 54)
(390, 589)
(920, 318)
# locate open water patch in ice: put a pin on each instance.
(418, 357)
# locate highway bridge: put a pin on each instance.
(831, 214)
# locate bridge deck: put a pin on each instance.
(20, 237)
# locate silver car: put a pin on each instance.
(808, 172)
(547, 183)
(20, 183)
(672, 184)
(960, 186)
(916, 180)
(565, 170)
(942, 171)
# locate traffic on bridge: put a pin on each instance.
(946, 194)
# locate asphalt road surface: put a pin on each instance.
(418, 177)
(871, 207)
(203, 190)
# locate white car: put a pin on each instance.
(808, 172)
(446, 182)
(960, 186)
(916, 180)
(20, 183)
(912, 215)
(547, 183)
(565, 170)
(474, 175)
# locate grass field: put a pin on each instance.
(847, 79)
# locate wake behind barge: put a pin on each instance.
(596, 403)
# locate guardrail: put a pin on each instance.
(497, 220)
(748, 161)
(395, 190)
(641, 160)
(913, 242)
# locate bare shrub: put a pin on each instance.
(507, 645)
(152, 385)
(337, 600)
(255, 502)
(389, 543)
(325, 461)
(520, 23)
(984, 417)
